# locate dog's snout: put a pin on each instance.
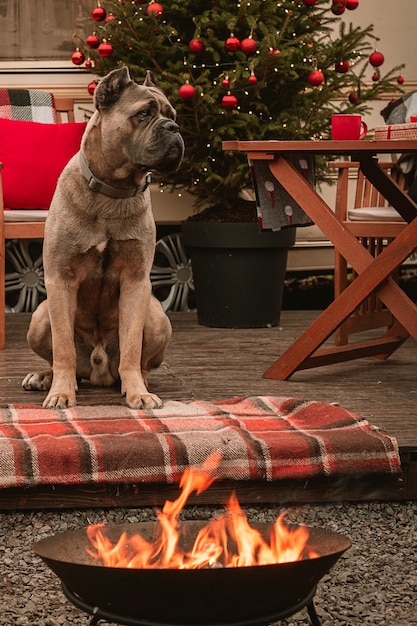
(171, 126)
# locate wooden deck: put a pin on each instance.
(213, 364)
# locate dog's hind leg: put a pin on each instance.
(40, 341)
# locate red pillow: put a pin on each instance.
(33, 156)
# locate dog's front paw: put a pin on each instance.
(59, 401)
(38, 381)
(143, 401)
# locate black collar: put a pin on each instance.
(96, 184)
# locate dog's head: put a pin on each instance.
(143, 120)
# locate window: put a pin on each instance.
(40, 32)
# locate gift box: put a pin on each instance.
(396, 131)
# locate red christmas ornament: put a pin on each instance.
(248, 45)
(98, 14)
(88, 64)
(154, 9)
(105, 49)
(226, 82)
(186, 91)
(274, 51)
(353, 97)
(252, 78)
(196, 45)
(77, 57)
(109, 18)
(376, 58)
(400, 80)
(232, 43)
(309, 3)
(315, 78)
(352, 4)
(342, 67)
(375, 77)
(92, 41)
(338, 8)
(92, 87)
(229, 101)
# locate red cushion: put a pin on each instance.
(33, 156)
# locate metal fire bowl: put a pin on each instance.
(198, 597)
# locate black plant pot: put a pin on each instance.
(238, 272)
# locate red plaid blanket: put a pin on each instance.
(267, 438)
(27, 104)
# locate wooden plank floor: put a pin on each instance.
(212, 364)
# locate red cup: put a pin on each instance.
(346, 126)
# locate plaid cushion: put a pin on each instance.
(258, 438)
(28, 105)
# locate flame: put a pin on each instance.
(229, 541)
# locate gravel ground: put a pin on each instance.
(375, 581)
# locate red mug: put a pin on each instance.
(346, 126)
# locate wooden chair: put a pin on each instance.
(24, 224)
(374, 223)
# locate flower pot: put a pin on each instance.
(238, 272)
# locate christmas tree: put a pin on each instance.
(259, 69)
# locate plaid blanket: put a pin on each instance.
(267, 438)
(28, 105)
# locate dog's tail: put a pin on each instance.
(100, 370)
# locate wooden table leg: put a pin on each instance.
(373, 274)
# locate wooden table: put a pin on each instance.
(374, 275)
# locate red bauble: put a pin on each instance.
(342, 67)
(92, 41)
(353, 97)
(77, 57)
(252, 79)
(98, 14)
(274, 51)
(186, 91)
(248, 45)
(232, 43)
(375, 77)
(316, 78)
(92, 87)
(196, 45)
(154, 9)
(229, 101)
(105, 49)
(226, 83)
(338, 8)
(109, 18)
(309, 3)
(352, 4)
(400, 80)
(376, 58)
(88, 64)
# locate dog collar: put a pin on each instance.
(96, 184)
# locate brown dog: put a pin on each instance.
(100, 321)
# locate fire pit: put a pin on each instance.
(224, 572)
(199, 597)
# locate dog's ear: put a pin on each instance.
(110, 87)
(150, 80)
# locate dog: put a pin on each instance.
(100, 321)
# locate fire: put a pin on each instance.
(229, 541)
